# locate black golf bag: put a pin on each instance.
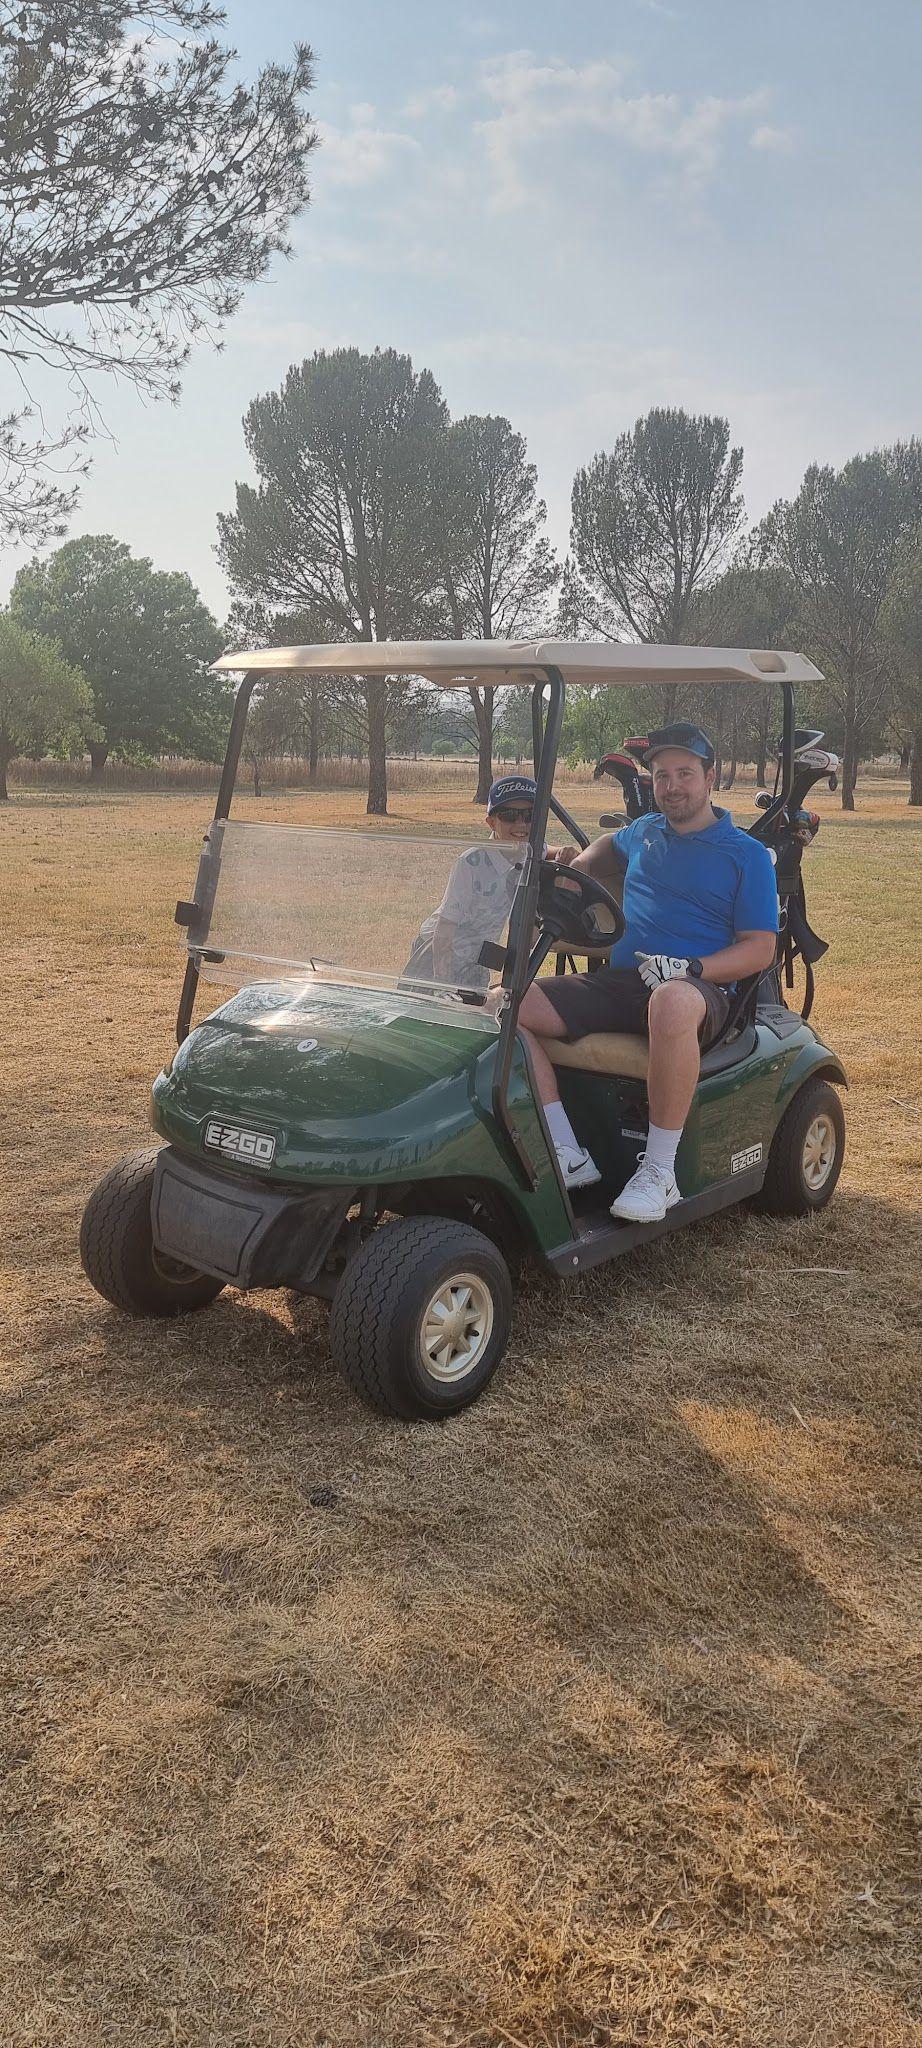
(786, 833)
(625, 765)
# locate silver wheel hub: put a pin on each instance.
(456, 1327)
(819, 1152)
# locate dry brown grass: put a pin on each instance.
(586, 1719)
(404, 775)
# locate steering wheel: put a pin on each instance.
(575, 909)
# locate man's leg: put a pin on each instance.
(537, 1014)
(675, 1015)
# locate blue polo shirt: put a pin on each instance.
(691, 893)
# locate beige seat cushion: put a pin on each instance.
(602, 1052)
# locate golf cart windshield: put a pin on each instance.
(285, 903)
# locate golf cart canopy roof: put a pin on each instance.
(618, 664)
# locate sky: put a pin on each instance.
(571, 214)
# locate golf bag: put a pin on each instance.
(786, 833)
(625, 765)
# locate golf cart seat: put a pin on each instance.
(627, 1052)
(602, 1052)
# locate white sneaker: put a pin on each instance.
(579, 1171)
(649, 1193)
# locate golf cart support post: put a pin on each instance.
(547, 665)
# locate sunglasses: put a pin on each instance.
(514, 815)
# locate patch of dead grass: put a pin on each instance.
(590, 1718)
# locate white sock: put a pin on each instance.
(662, 1147)
(560, 1127)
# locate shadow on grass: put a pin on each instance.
(495, 1699)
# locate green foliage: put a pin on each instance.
(343, 525)
(142, 638)
(901, 626)
(143, 184)
(44, 702)
(514, 734)
(596, 720)
(752, 605)
(499, 568)
(839, 540)
(901, 617)
(653, 522)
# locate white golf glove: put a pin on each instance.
(655, 968)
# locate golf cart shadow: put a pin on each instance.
(610, 1573)
(258, 1333)
(231, 1357)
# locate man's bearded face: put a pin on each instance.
(681, 784)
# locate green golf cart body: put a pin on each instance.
(336, 1128)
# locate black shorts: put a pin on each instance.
(615, 999)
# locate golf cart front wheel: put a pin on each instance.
(118, 1253)
(806, 1155)
(421, 1317)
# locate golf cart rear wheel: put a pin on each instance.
(421, 1317)
(806, 1155)
(117, 1249)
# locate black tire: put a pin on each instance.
(793, 1186)
(426, 1201)
(380, 1306)
(117, 1247)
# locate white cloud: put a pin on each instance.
(436, 99)
(362, 154)
(539, 101)
(779, 140)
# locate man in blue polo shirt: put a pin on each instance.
(701, 911)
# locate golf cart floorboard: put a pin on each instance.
(597, 1237)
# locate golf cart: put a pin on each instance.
(341, 1128)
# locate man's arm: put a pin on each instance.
(600, 859)
(750, 953)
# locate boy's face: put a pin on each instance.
(511, 823)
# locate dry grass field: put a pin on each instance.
(588, 1718)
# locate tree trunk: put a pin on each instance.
(906, 752)
(376, 704)
(313, 733)
(915, 767)
(6, 758)
(99, 755)
(716, 736)
(257, 786)
(734, 750)
(483, 702)
(849, 753)
(669, 697)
